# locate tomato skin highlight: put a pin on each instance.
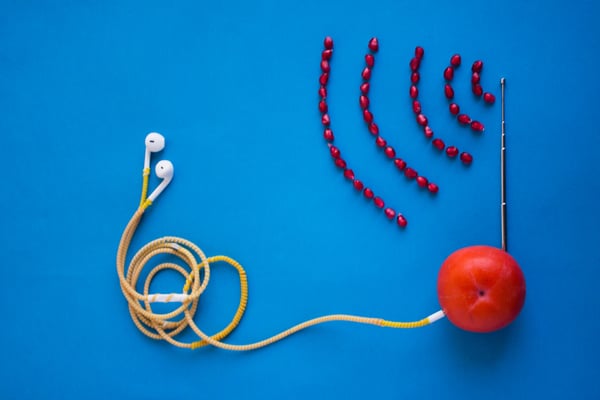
(481, 288)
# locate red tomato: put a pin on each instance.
(481, 288)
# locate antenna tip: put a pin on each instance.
(502, 80)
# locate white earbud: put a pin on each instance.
(155, 142)
(164, 170)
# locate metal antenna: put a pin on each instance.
(503, 172)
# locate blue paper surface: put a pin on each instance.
(233, 87)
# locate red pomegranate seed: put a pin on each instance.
(489, 98)
(390, 213)
(455, 60)
(366, 73)
(390, 152)
(464, 119)
(364, 88)
(370, 60)
(323, 92)
(477, 66)
(358, 185)
(448, 91)
(325, 120)
(452, 151)
(322, 106)
(326, 54)
(328, 42)
(328, 135)
(414, 64)
(325, 66)
(324, 78)
(367, 116)
(454, 108)
(401, 221)
(475, 78)
(477, 89)
(410, 173)
(449, 73)
(368, 193)
(422, 181)
(419, 52)
(363, 101)
(374, 44)
(340, 163)
(432, 187)
(414, 92)
(378, 201)
(477, 126)
(380, 142)
(428, 132)
(335, 152)
(415, 77)
(438, 144)
(349, 174)
(421, 120)
(400, 163)
(466, 158)
(373, 128)
(416, 106)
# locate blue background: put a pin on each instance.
(233, 87)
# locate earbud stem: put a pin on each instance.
(159, 189)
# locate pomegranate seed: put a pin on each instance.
(324, 78)
(414, 64)
(328, 42)
(416, 106)
(414, 92)
(414, 77)
(448, 91)
(477, 89)
(400, 163)
(322, 106)
(380, 142)
(340, 163)
(432, 187)
(419, 52)
(335, 152)
(421, 120)
(374, 44)
(358, 185)
(489, 98)
(364, 88)
(438, 144)
(363, 101)
(370, 60)
(449, 73)
(328, 135)
(475, 78)
(368, 193)
(326, 54)
(373, 128)
(325, 120)
(452, 151)
(401, 221)
(428, 132)
(378, 201)
(455, 60)
(366, 73)
(464, 119)
(422, 181)
(477, 66)
(323, 92)
(466, 158)
(410, 173)
(349, 174)
(454, 108)
(477, 126)
(367, 116)
(390, 213)
(390, 152)
(325, 66)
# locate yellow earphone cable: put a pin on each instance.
(162, 326)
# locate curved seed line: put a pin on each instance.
(389, 151)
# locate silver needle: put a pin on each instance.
(503, 172)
